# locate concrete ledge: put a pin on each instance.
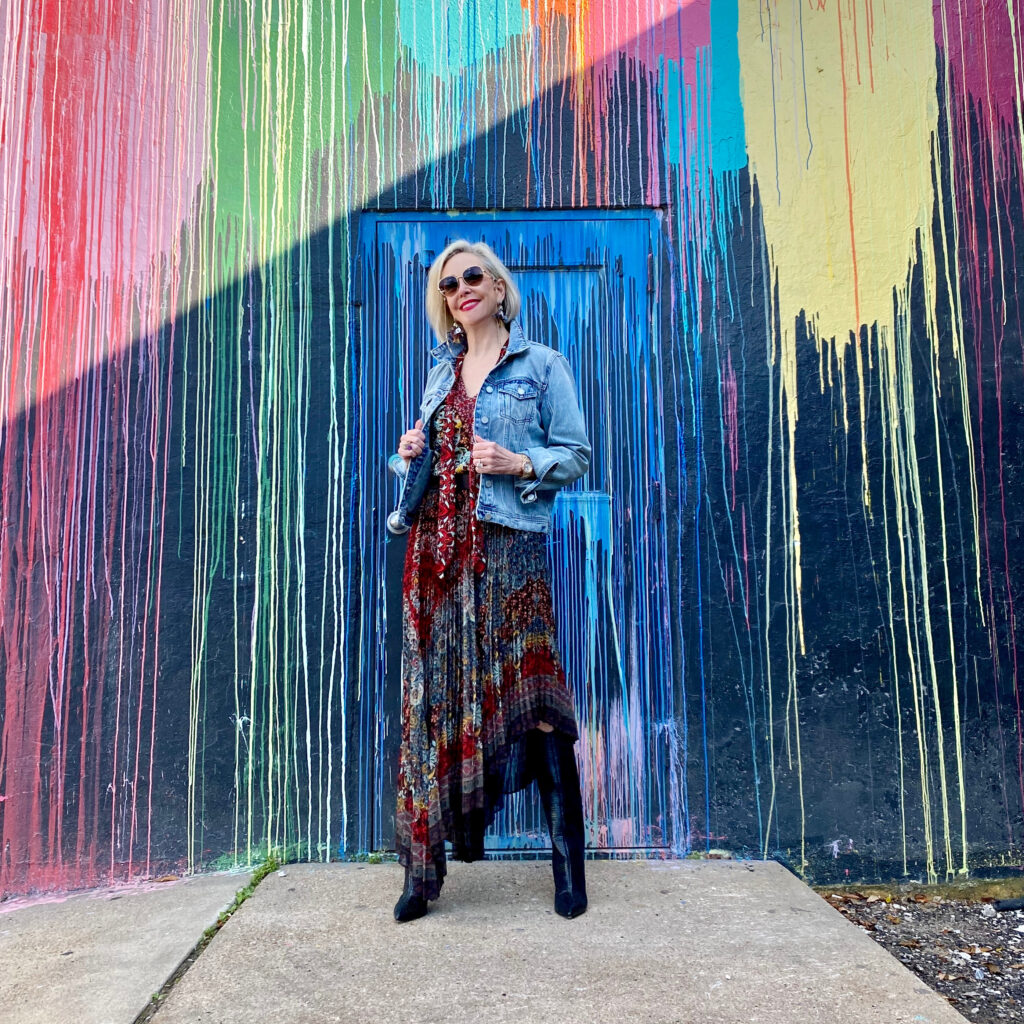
(662, 943)
(98, 957)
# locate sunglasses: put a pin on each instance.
(450, 285)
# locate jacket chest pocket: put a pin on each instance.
(520, 399)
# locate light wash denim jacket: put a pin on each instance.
(527, 403)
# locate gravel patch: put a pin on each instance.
(965, 949)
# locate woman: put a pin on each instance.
(485, 706)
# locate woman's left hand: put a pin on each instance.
(489, 457)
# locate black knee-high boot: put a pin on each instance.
(559, 784)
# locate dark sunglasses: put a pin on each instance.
(450, 285)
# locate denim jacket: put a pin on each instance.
(527, 403)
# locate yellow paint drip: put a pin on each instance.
(843, 168)
(841, 148)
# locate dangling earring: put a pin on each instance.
(500, 314)
(456, 333)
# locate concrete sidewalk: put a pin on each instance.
(98, 957)
(662, 943)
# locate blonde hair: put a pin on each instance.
(438, 313)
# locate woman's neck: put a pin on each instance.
(486, 339)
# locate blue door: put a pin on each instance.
(590, 282)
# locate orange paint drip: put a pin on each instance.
(849, 170)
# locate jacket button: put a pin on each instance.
(522, 391)
(489, 389)
(483, 419)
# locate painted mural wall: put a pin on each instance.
(192, 668)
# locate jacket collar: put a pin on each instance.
(449, 351)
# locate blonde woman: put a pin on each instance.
(485, 706)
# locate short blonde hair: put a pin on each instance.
(440, 317)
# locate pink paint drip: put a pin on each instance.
(102, 159)
(979, 43)
(665, 31)
(980, 53)
(730, 405)
(104, 148)
(746, 570)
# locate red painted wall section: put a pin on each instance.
(103, 151)
(107, 147)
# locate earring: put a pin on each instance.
(456, 333)
(500, 314)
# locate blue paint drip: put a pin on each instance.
(728, 133)
(444, 38)
(803, 77)
(746, 680)
(671, 86)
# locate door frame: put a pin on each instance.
(369, 730)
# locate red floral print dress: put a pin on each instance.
(480, 663)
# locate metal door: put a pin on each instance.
(590, 285)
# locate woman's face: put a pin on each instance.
(472, 304)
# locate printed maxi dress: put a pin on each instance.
(480, 663)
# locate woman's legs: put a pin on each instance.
(559, 784)
(553, 765)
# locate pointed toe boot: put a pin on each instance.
(411, 904)
(559, 784)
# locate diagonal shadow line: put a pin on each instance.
(679, 36)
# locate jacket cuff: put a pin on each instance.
(543, 463)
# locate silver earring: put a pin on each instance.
(456, 333)
(501, 314)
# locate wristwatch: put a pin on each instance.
(527, 471)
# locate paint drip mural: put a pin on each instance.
(777, 242)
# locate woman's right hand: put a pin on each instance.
(412, 442)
